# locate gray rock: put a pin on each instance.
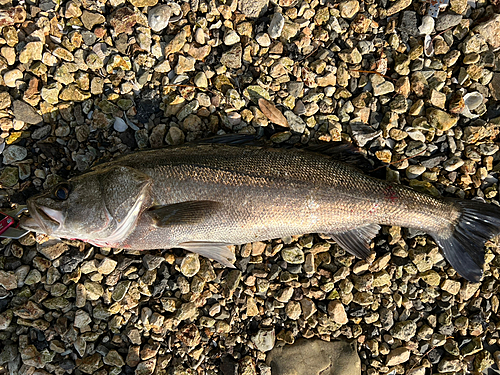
(453, 163)
(14, 153)
(253, 8)
(409, 23)
(295, 88)
(404, 330)
(296, 123)
(89, 38)
(232, 58)
(315, 357)
(26, 113)
(120, 125)
(52, 249)
(152, 262)
(362, 134)
(9, 353)
(276, 25)
(446, 21)
(495, 86)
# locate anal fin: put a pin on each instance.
(218, 251)
(357, 241)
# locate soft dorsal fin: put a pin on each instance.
(189, 212)
(357, 241)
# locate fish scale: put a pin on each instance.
(276, 186)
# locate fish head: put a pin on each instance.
(99, 205)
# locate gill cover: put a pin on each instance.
(121, 188)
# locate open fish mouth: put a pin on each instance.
(42, 220)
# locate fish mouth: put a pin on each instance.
(43, 219)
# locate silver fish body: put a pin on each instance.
(203, 197)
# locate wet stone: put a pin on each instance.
(9, 176)
(8, 353)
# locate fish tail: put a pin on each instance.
(464, 248)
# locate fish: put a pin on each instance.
(206, 197)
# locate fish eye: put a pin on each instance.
(62, 192)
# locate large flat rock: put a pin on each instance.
(315, 357)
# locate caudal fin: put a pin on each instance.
(464, 249)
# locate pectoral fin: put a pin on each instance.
(357, 241)
(190, 212)
(218, 251)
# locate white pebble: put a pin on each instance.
(276, 25)
(427, 26)
(263, 40)
(231, 38)
(120, 125)
(329, 91)
(199, 36)
(12, 76)
(158, 17)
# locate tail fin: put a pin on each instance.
(464, 249)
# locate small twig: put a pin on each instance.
(398, 161)
(427, 353)
(191, 87)
(442, 32)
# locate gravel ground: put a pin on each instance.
(88, 80)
